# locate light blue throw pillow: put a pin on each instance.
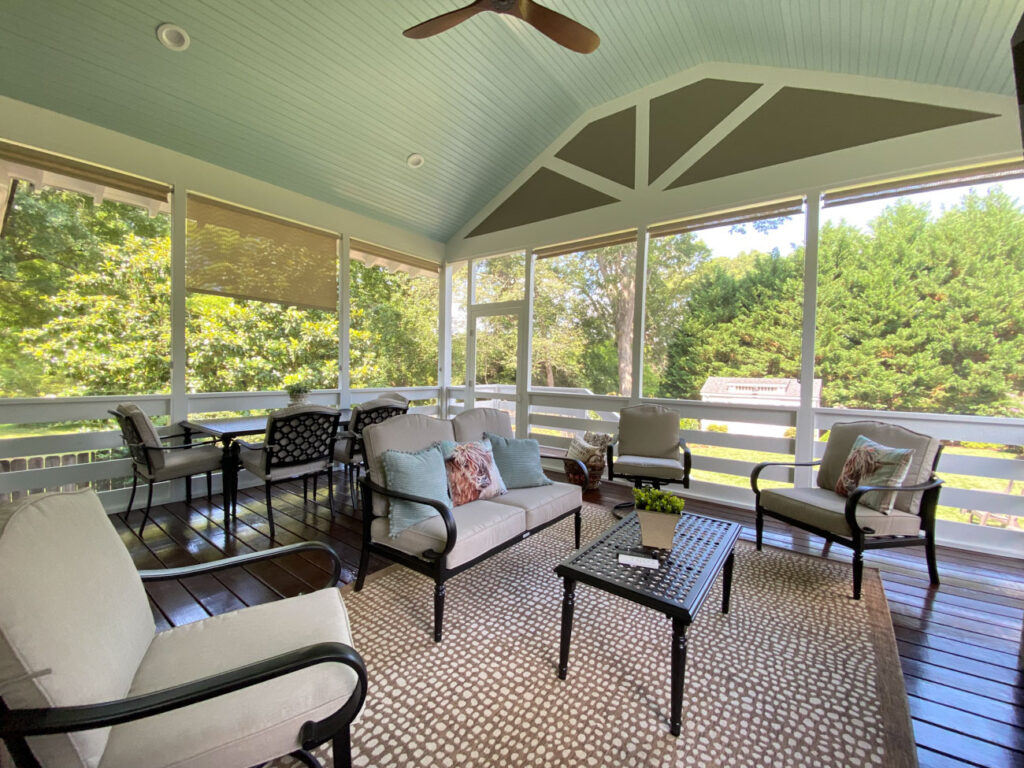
(420, 474)
(518, 461)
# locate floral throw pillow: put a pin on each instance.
(871, 463)
(472, 473)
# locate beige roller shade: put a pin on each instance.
(244, 254)
(789, 207)
(76, 169)
(587, 244)
(909, 185)
(378, 256)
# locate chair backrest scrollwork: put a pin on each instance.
(302, 437)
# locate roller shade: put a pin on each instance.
(587, 244)
(934, 181)
(244, 254)
(75, 170)
(378, 256)
(774, 210)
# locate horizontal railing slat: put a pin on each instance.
(41, 410)
(53, 477)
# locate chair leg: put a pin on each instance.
(305, 488)
(364, 567)
(149, 504)
(131, 499)
(270, 511)
(577, 522)
(188, 489)
(759, 528)
(330, 488)
(438, 610)
(341, 746)
(858, 572)
(209, 486)
(929, 551)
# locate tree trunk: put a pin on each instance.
(624, 333)
(549, 374)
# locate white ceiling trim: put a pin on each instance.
(983, 141)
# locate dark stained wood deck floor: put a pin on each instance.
(959, 645)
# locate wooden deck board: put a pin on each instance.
(958, 644)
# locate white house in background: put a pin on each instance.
(729, 389)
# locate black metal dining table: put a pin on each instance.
(227, 431)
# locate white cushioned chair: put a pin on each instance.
(844, 519)
(156, 462)
(86, 681)
(649, 449)
(457, 537)
(299, 443)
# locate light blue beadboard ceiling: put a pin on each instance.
(327, 98)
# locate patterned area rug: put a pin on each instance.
(797, 674)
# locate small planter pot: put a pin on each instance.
(301, 398)
(657, 529)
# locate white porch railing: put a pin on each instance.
(79, 459)
(556, 415)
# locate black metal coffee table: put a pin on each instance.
(703, 548)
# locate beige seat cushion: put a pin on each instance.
(251, 725)
(343, 451)
(841, 439)
(144, 426)
(72, 602)
(480, 526)
(409, 432)
(471, 424)
(827, 510)
(255, 460)
(543, 503)
(643, 466)
(189, 461)
(649, 430)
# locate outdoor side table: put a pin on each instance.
(703, 548)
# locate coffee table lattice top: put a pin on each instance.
(679, 586)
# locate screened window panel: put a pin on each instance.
(248, 255)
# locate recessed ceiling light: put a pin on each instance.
(173, 37)
(415, 160)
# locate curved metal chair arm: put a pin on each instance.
(854, 498)
(253, 446)
(179, 447)
(566, 461)
(756, 471)
(169, 574)
(442, 509)
(20, 723)
(687, 458)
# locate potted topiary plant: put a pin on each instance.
(298, 391)
(658, 512)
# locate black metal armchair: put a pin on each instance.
(89, 681)
(155, 461)
(649, 449)
(845, 519)
(299, 444)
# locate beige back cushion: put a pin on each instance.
(409, 432)
(649, 430)
(72, 602)
(840, 441)
(146, 429)
(471, 424)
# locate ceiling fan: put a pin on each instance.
(559, 28)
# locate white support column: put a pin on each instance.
(344, 322)
(805, 412)
(444, 337)
(524, 369)
(470, 400)
(639, 315)
(179, 395)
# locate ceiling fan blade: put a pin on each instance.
(445, 21)
(559, 28)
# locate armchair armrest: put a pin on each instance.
(211, 441)
(687, 460)
(369, 488)
(567, 462)
(756, 472)
(253, 446)
(853, 499)
(20, 723)
(169, 574)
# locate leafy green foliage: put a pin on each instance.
(655, 500)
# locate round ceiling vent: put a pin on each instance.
(173, 37)
(415, 160)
